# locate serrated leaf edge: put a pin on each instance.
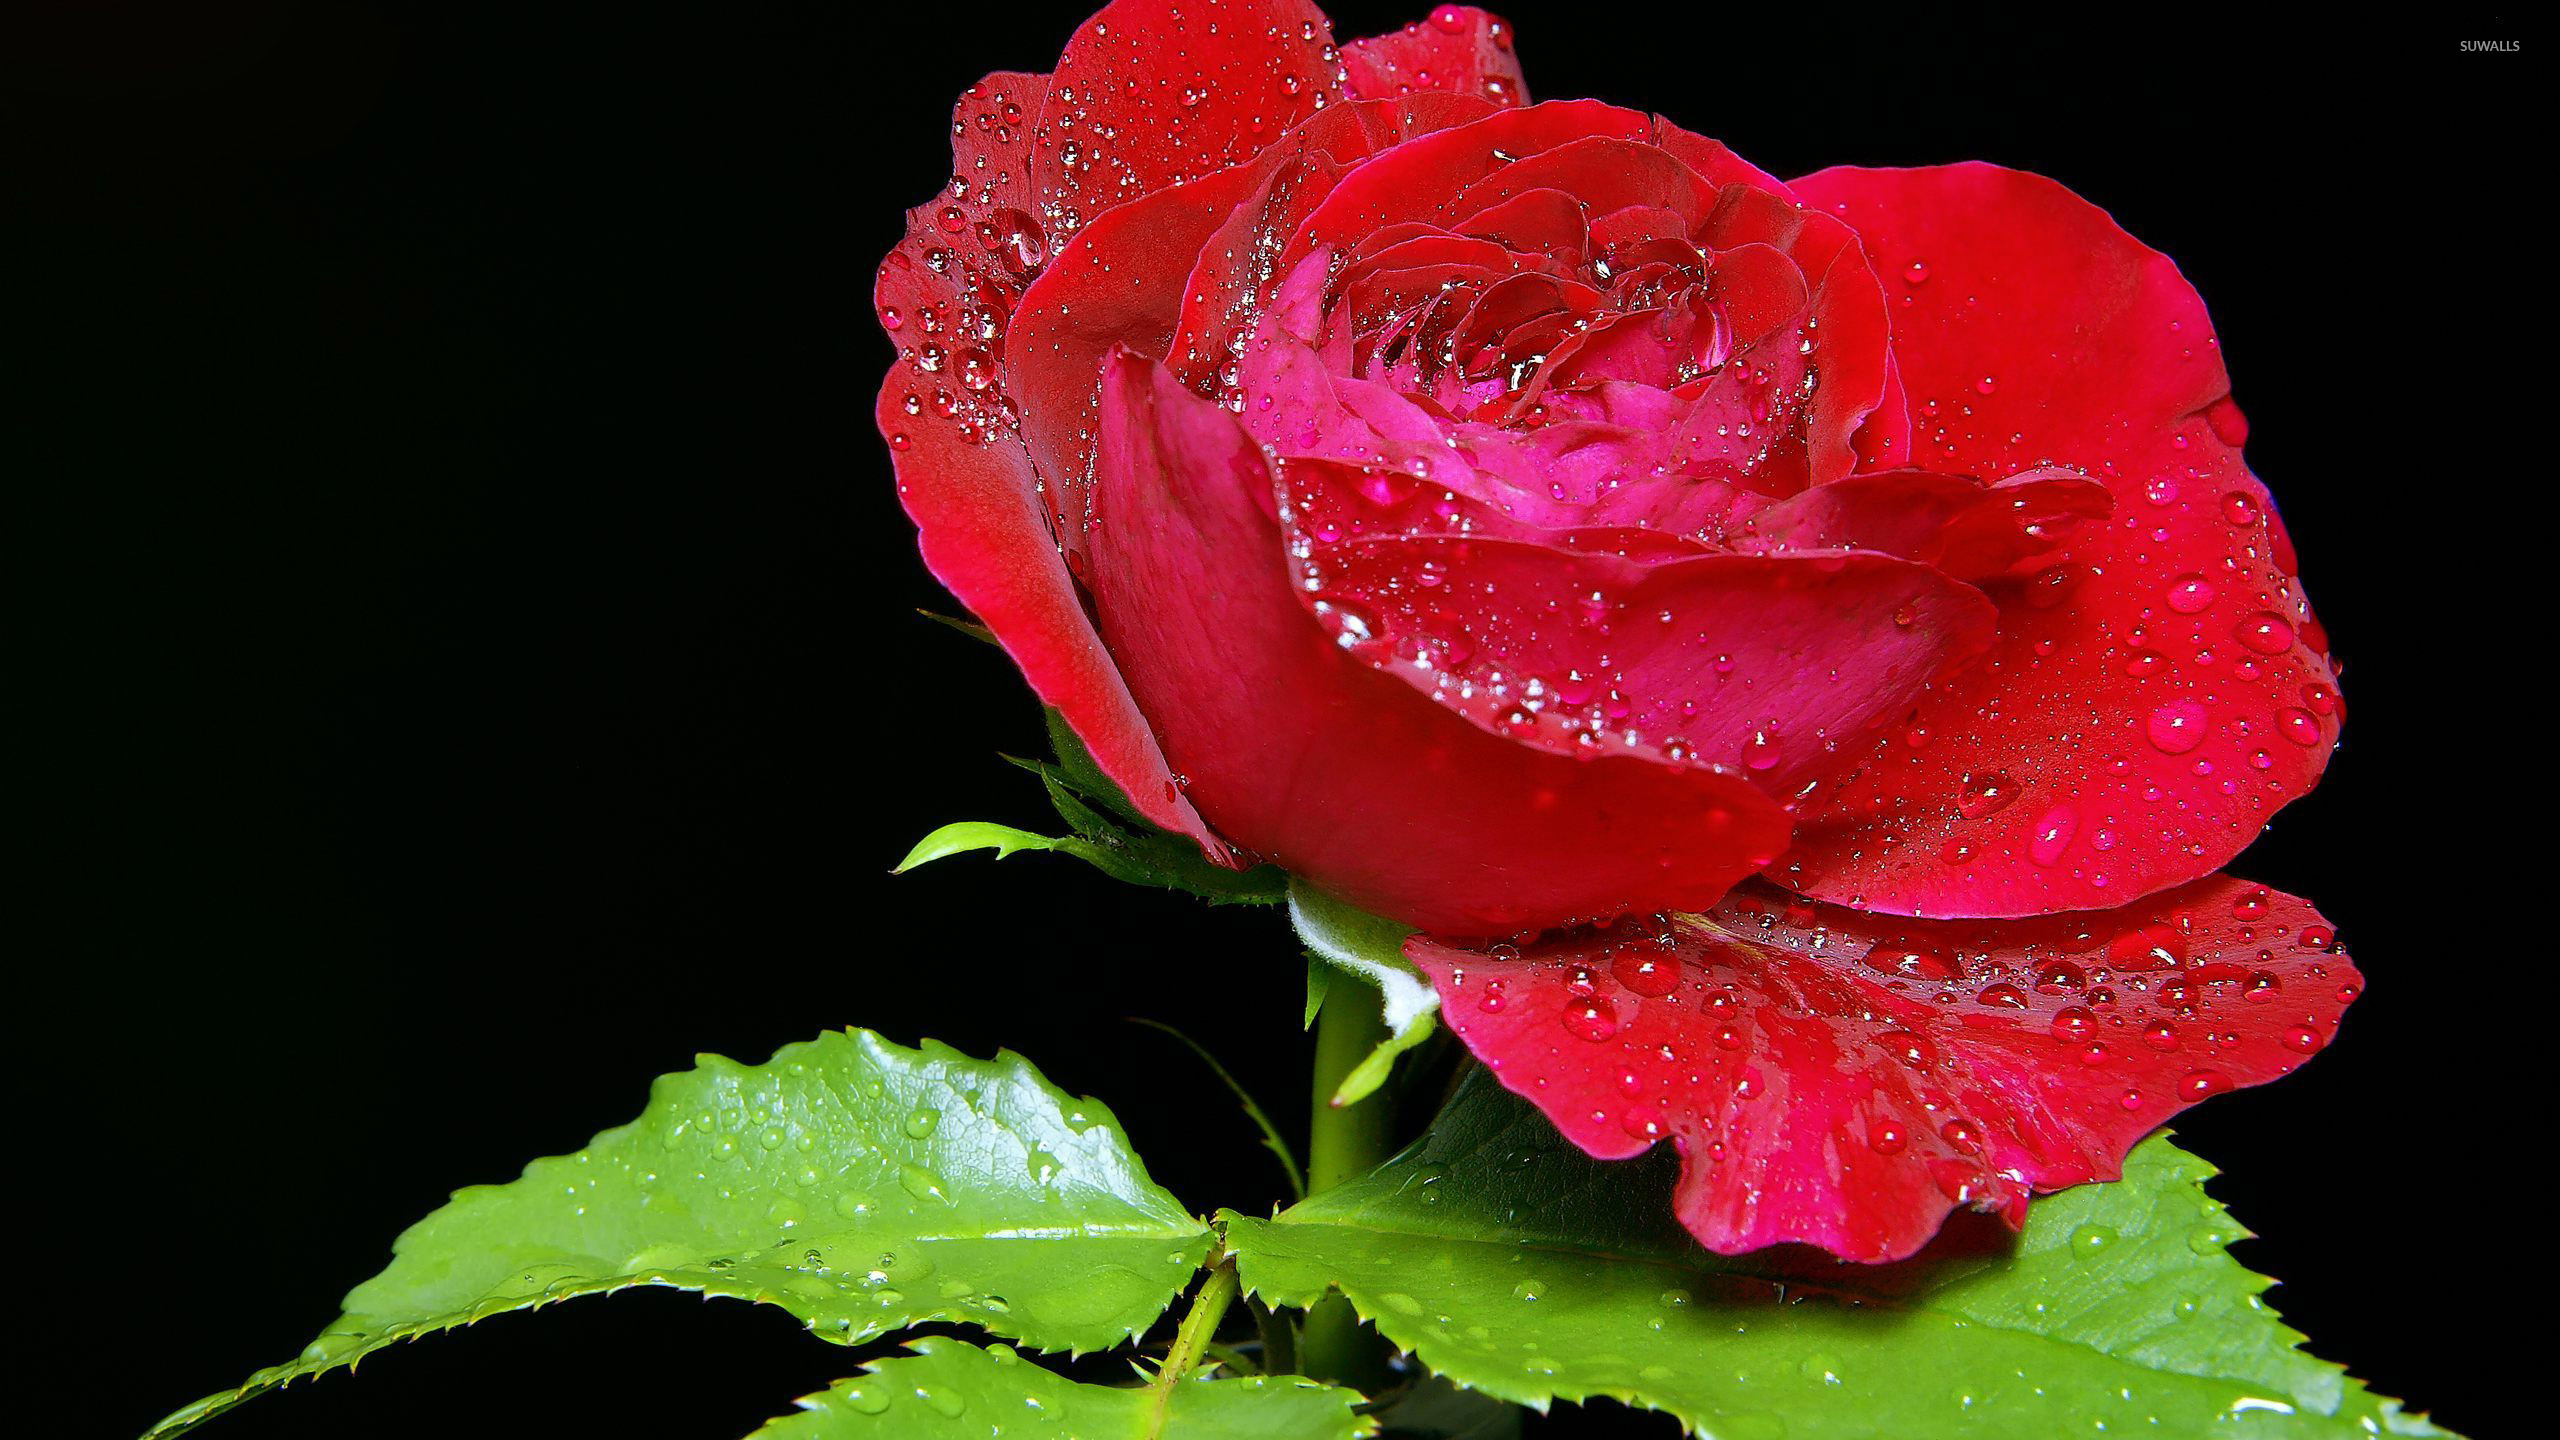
(926, 1346)
(2193, 1174)
(277, 1377)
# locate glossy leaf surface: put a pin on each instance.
(1510, 1262)
(860, 1185)
(949, 1390)
(1139, 859)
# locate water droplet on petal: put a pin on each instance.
(1592, 1021)
(2266, 632)
(2190, 593)
(2177, 727)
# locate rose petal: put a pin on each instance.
(1237, 268)
(1714, 159)
(962, 473)
(1419, 179)
(1604, 172)
(1956, 523)
(1131, 278)
(1845, 349)
(1544, 221)
(1460, 49)
(1353, 779)
(1119, 283)
(1153, 92)
(2153, 698)
(1845, 1080)
(1758, 662)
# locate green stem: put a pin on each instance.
(1347, 1141)
(1279, 1339)
(1192, 1341)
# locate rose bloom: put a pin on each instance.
(1799, 650)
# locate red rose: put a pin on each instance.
(1513, 518)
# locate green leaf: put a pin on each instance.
(1154, 858)
(1109, 833)
(858, 1184)
(951, 1390)
(1076, 766)
(1081, 817)
(970, 628)
(1371, 947)
(1510, 1262)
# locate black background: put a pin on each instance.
(488, 648)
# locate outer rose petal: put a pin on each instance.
(2158, 689)
(1128, 277)
(969, 486)
(1120, 283)
(1421, 177)
(1846, 1080)
(1460, 49)
(1152, 92)
(1757, 662)
(1352, 778)
(1969, 530)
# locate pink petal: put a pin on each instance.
(1300, 752)
(2159, 688)
(1846, 1080)
(1460, 49)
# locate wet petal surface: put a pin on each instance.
(945, 296)
(1460, 49)
(1383, 796)
(2159, 688)
(1846, 1080)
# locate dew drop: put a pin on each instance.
(1651, 976)
(2177, 727)
(2090, 1239)
(922, 1183)
(1592, 1021)
(1985, 795)
(1915, 962)
(2052, 835)
(2266, 632)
